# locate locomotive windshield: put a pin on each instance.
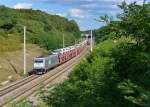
(38, 61)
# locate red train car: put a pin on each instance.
(68, 53)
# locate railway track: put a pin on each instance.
(17, 84)
(27, 86)
(45, 82)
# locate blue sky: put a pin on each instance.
(84, 12)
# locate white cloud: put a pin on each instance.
(23, 6)
(61, 14)
(94, 5)
(55, 13)
(77, 13)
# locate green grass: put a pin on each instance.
(9, 44)
(110, 43)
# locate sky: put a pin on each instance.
(84, 12)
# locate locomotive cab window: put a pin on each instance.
(38, 61)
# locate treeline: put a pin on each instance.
(42, 29)
(117, 73)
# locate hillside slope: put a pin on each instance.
(43, 29)
(11, 63)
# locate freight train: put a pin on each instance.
(42, 64)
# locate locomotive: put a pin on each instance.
(42, 64)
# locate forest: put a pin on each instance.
(117, 72)
(43, 29)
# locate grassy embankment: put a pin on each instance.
(11, 58)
